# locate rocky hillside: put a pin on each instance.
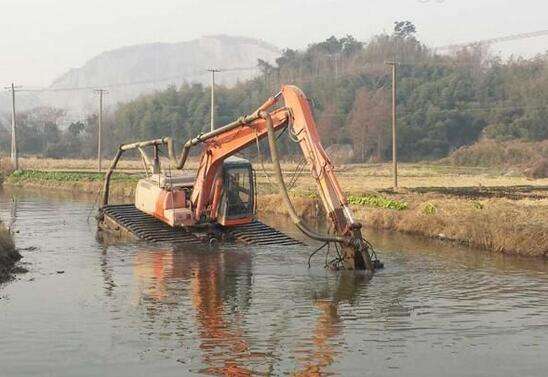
(130, 71)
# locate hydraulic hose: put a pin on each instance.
(285, 196)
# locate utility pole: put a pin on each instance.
(394, 128)
(14, 157)
(213, 70)
(100, 127)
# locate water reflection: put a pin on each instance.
(13, 213)
(325, 343)
(219, 287)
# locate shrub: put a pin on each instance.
(429, 209)
(377, 201)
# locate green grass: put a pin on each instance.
(60, 176)
(377, 201)
(429, 209)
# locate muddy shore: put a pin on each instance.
(8, 253)
(505, 219)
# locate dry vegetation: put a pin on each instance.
(479, 206)
(501, 225)
(529, 158)
(473, 205)
(360, 178)
(8, 253)
(497, 224)
(52, 164)
(355, 177)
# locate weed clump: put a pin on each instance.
(377, 201)
(429, 209)
(8, 254)
(61, 176)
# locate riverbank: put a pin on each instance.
(8, 254)
(496, 224)
(123, 184)
(478, 207)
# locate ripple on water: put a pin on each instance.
(135, 309)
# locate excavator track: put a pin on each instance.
(257, 233)
(143, 226)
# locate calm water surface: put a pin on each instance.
(94, 307)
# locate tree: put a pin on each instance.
(76, 128)
(443, 101)
(330, 125)
(369, 122)
(404, 29)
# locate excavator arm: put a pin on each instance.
(219, 148)
(296, 114)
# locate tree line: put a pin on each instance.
(444, 101)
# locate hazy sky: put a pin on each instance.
(41, 39)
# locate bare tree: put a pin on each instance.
(368, 123)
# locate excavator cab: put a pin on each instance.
(237, 204)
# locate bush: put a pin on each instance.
(491, 153)
(377, 201)
(429, 209)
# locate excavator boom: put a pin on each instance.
(296, 114)
(222, 191)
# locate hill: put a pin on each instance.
(146, 68)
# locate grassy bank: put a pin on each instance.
(495, 224)
(8, 254)
(499, 224)
(123, 184)
(483, 207)
(478, 206)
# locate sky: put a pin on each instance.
(42, 39)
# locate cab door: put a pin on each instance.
(238, 200)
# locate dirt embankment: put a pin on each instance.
(500, 213)
(8, 254)
(497, 224)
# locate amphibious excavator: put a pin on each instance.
(219, 200)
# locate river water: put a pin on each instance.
(95, 307)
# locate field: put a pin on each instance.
(355, 177)
(479, 206)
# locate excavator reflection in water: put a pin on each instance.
(220, 289)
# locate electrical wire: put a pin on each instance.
(131, 83)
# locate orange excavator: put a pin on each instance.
(222, 194)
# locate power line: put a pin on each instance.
(303, 79)
(132, 83)
(506, 38)
(249, 68)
